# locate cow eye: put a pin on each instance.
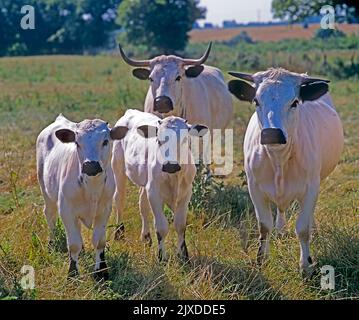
(294, 104)
(178, 78)
(105, 143)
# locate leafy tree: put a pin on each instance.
(159, 24)
(61, 26)
(298, 10)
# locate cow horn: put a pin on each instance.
(243, 76)
(311, 80)
(133, 63)
(203, 59)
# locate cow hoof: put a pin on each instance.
(120, 232)
(147, 239)
(261, 256)
(183, 252)
(101, 275)
(307, 272)
(73, 272)
(162, 257)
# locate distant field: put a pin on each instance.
(274, 33)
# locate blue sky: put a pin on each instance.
(240, 10)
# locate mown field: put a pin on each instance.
(267, 33)
(222, 233)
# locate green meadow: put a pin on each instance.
(222, 233)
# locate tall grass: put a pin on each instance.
(222, 232)
(334, 58)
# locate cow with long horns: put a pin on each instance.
(185, 88)
(293, 141)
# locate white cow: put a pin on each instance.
(293, 141)
(76, 180)
(185, 88)
(155, 156)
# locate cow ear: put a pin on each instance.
(147, 131)
(142, 74)
(242, 90)
(118, 133)
(313, 91)
(65, 135)
(198, 130)
(193, 72)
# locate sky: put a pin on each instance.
(239, 10)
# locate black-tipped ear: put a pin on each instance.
(118, 133)
(313, 91)
(193, 72)
(142, 74)
(198, 130)
(242, 90)
(65, 135)
(147, 131)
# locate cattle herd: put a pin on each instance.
(293, 141)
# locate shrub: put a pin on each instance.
(328, 33)
(215, 199)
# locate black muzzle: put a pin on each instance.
(163, 104)
(91, 168)
(169, 167)
(273, 136)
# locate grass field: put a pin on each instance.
(33, 91)
(272, 33)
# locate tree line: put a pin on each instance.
(75, 26)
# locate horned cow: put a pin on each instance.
(185, 88)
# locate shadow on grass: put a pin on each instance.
(129, 283)
(242, 282)
(339, 248)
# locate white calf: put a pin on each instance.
(162, 169)
(76, 179)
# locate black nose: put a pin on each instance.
(273, 136)
(91, 168)
(163, 104)
(169, 167)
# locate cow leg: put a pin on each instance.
(161, 223)
(50, 211)
(304, 227)
(74, 240)
(280, 222)
(180, 221)
(99, 243)
(120, 193)
(145, 211)
(265, 221)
